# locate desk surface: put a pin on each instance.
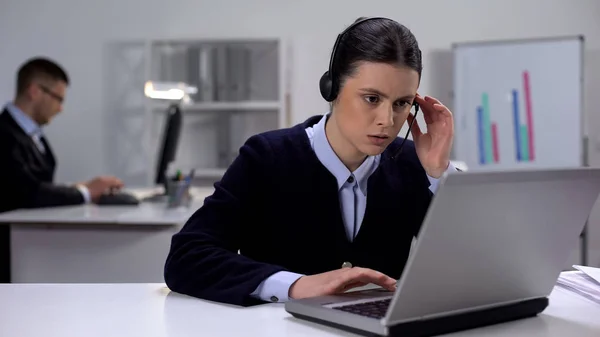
(151, 310)
(147, 213)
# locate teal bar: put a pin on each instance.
(524, 143)
(487, 127)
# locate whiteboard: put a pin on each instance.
(518, 104)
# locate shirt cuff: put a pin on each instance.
(276, 287)
(85, 193)
(433, 182)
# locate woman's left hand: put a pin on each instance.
(433, 147)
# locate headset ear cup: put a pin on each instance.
(325, 85)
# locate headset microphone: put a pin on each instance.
(416, 105)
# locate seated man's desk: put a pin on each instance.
(93, 244)
(150, 310)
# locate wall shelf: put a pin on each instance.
(208, 173)
(223, 106)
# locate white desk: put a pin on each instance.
(94, 244)
(150, 310)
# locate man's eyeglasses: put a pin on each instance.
(56, 96)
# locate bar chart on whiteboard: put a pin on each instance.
(518, 104)
(522, 127)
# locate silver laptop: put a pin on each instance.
(490, 250)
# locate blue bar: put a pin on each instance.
(481, 135)
(517, 126)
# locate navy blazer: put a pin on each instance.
(278, 205)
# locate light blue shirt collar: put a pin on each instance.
(28, 125)
(331, 161)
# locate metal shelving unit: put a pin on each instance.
(243, 89)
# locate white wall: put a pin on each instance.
(75, 33)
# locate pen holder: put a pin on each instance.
(178, 194)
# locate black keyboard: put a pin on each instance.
(376, 309)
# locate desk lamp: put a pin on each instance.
(170, 91)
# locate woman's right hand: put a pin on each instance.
(339, 281)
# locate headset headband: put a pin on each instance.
(338, 40)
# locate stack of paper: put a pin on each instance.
(585, 281)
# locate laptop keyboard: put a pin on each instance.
(376, 309)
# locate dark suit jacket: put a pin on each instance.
(27, 174)
(26, 180)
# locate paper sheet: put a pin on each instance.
(580, 283)
(590, 271)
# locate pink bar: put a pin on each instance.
(529, 114)
(495, 142)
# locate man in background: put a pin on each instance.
(27, 164)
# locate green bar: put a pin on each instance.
(487, 127)
(524, 143)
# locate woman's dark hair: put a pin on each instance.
(379, 40)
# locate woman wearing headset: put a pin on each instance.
(329, 204)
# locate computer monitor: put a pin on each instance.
(168, 145)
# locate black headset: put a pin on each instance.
(329, 82)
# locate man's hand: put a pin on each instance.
(101, 185)
(339, 281)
